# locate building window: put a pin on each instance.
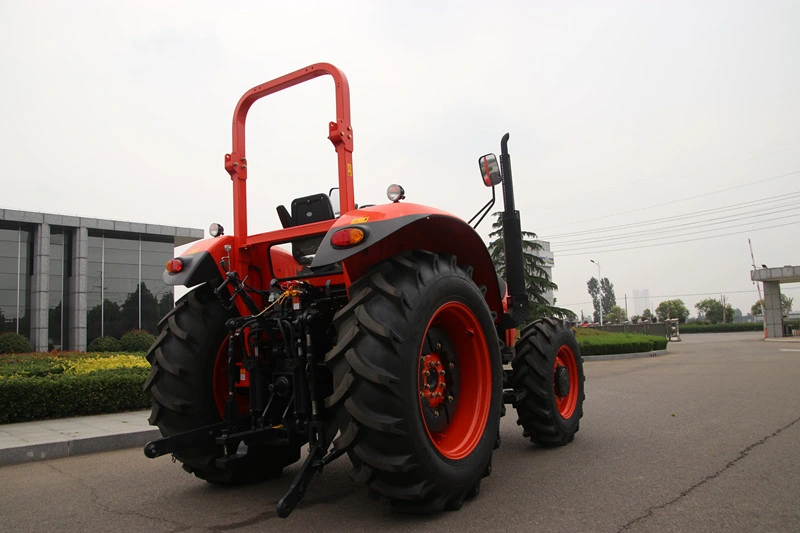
(16, 267)
(126, 290)
(58, 298)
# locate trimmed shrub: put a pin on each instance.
(137, 340)
(41, 386)
(618, 343)
(14, 343)
(105, 344)
(720, 328)
(37, 398)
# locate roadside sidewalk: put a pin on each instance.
(64, 437)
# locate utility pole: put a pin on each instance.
(600, 288)
(626, 307)
(760, 298)
(724, 301)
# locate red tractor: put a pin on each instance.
(380, 332)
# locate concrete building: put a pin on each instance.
(65, 280)
(772, 279)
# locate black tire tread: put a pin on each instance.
(532, 381)
(367, 364)
(181, 387)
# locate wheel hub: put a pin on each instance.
(561, 381)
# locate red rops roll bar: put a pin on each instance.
(340, 133)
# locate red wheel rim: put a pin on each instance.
(220, 380)
(566, 404)
(454, 381)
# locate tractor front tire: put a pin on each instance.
(548, 382)
(417, 382)
(183, 387)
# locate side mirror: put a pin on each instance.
(490, 170)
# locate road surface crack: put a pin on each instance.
(742, 454)
(95, 499)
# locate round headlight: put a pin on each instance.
(216, 230)
(395, 193)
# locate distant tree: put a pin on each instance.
(636, 319)
(608, 299)
(104, 321)
(165, 303)
(594, 291)
(602, 293)
(537, 281)
(714, 311)
(616, 315)
(786, 305)
(647, 315)
(672, 309)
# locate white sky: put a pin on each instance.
(620, 113)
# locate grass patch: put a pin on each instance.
(36, 386)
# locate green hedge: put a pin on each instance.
(105, 344)
(42, 386)
(619, 343)
(718, 328)
(39, 398)
(14, 343)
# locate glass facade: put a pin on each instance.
(125, 287)
(58, 297)
(16, 268)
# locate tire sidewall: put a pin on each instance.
(565, 337)
(448, 472)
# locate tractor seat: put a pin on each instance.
(306, 210)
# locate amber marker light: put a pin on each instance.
(174, 266)
(347, 237)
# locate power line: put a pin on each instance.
(592, 250)
(721, 222)
(703, 212)
(597, 243)
(683, 199)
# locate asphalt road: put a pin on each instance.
(705, 438)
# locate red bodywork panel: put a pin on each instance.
(416, 227)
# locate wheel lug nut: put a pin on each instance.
(436, 413)
(450, 398)
(421, 394)
(426, 373)
(442, 385)
(441, 372)
(452, 365)
(427, 386)
(438, 345)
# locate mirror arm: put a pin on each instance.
(485, 210)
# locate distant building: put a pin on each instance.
(65, 280)
(641, 301)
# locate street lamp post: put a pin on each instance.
(600, 288)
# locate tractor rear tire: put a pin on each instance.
(183, 386)
(417, 382)
(548, 382)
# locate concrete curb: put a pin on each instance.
(78, 446)
(611, 357)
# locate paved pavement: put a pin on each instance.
(64, 437)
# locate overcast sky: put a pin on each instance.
(652, 137)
